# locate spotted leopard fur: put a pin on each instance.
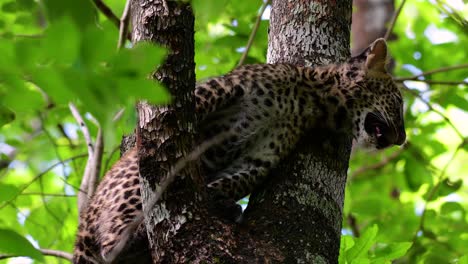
(268, 106)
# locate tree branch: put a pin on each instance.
(253, 33)
(430, 72)
(382, 163)
(45, 252)
(123, 28)
(83, 195)
(107, 12)
(96, 163)
(436, 82)
(433, 191)
(352, 222)
(394, 19)
(57, 253)
(48, 194)
(435, 111)
(83, 127)
(40, 175)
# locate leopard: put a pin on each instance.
(268, 108)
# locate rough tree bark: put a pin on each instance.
(180, 229)
(165, 134)
(297, 217)
(307, 193)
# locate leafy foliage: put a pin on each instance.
(408, 204)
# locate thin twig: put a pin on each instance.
(435, 82)
(109, 14)
(45, 252)
(57, 253)
(382, 163)
(48, 194)
(96, 163)
(84, 129)
(352, 222)
(46, 206)
(394, 19)
(441, 178)
(51, 139)
(83, 196)
(118, 115)
(62, 162)
(435, 111)
(123, 28)
(175, 170)
(430, 72)
(253, 33)
(64, 134)
(26, 216)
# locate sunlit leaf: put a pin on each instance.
(391, 252)
(362, 244)
(346, 243)
(15, 244)
(416, 174)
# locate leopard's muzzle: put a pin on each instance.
(384, 133)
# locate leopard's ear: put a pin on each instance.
(377, 56)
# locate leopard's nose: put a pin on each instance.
(401, 136)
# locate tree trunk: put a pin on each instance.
(370, 21)
(309, 32)
(180, 229)
(297, 217)
(301, 208)
(165, 134)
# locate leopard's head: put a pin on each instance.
(378, 107)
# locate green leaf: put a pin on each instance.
(25, 4)
(361, 260)
(453, 207)
(6, 115)
(208, 10)
(363, 244)
(98, 45)
(416, 173)
(82, 13)
(19, 96)
(137, 62)
(9, 7)
(391, 252)
(446, 187)
(463, 260)
(52, 82)
(15, 244)
(62, 41)
(7, 192)
(346, 243)
(458, 101)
